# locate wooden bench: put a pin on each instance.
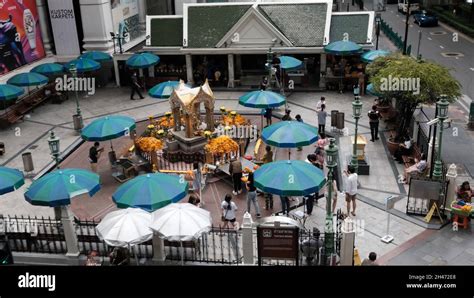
(410, 160)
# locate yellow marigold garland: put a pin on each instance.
(222, 145)
(149, 144)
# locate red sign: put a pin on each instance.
(20, 34)
(277, 243)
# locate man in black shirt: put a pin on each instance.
(374, 117)
(135, 87)
(94, 154)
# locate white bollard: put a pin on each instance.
(69, 232)
(347, 243)
(451, 176)
(247, 239)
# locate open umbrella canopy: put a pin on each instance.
(262, 99)
(181, 222)
(125, 228)
(8, 91)
(142, 60)
(28, 79)
(60, 186)
(108, 128)
(288, 62)
(371, 90)
(343, 47)
(290, 134)
(96, 56)
(83, 65)
(164, 90)
(48, 69)
(10, 179)
(151, 191)
(370, 56)
(289, 178)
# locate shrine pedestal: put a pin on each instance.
(189, 145)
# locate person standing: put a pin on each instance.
(361, 77)
(285, 205)
(351, 189)
(94, 155)
(268, 156)
(268, 116)
(235, 170)
(287, 116)
(321, 102)
(322, 119)
(228, 212)
(299, 119)
(264, 84)
(135, 87)
(252, 194)
(374, 117)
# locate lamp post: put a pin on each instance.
(331, 160)
(119, 38)
(406, 28)
(77, 118)
(442, 106)
(269, 66)
(377, 21)
(357, 111)
(53, 142)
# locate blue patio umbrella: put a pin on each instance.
(10, 179)
(48, 69)
(60, 186)
(288, 62)
(108, 128)
(163, 90)
(142, 60)
(262, 99)
(8, 91)
(151, 191)
(343, 48)
(370, 56)
(96, 56)
(28, 79)
(289, 178)
(83, 65)
(371, 90)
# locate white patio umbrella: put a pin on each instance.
(125, 228)
(181, 222)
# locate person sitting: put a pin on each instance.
(465, 192)
(371, 260)
(419, 167)
(311, 245)
(287, 116)
(120, 257)
(404, 148)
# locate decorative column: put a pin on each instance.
(322, 71)
(159, 254)
(97, 25)
(247, 239)
(142, 12)
(43, 15)
(189, 69)
(451, 192)
(231, 78)
(347, 243)
(69, 232)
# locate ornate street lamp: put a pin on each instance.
(53, 142)
(357, 112)
(442, 106)
(269, 66)
(331, 160)
(77, 118)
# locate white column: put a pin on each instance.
(347, 243)
(231, 71)
(159, 254)
(189, 68)
(142, 14)
(322, 63)
(69, 232)
(451, 176)
(97, 25)
(247, 239)
(151, 71)
(43, 15)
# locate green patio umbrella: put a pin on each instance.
(10, 180)
(164, 90)
(60, 186)
(342, 48)
(370, 56)
(28, 79)
(82, 65)
(108, 128)
(8, 91)
(262, 100)
(48, 69)
(371, 90)
(151, 191)
(142, 60)
(289, 178)
(96, 56)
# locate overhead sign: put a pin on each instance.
(63, 23)
(277, 243)
(20, 34)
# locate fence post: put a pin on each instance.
(247, 239)
(347, 243)
(69, 232)
(451, 176)
(159, 254)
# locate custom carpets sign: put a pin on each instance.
(20, 34)
(63, 23)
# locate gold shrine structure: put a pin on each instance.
(185, 104)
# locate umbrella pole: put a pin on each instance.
(289, 153)
(261, 121)
(182, 253)
(111, 146)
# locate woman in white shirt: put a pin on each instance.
(228, 212)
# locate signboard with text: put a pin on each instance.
(277, 243)
(20, 34)
(125, 19)
(63, 23)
